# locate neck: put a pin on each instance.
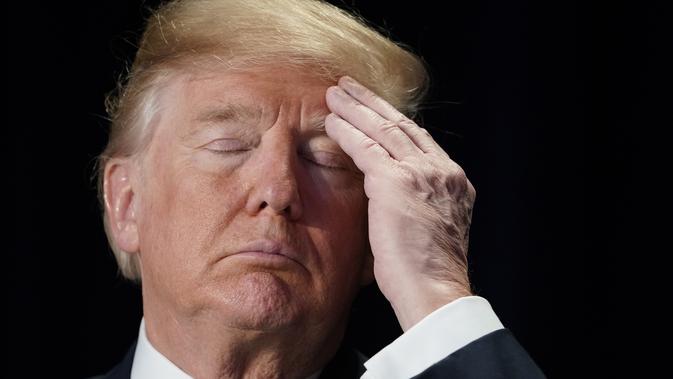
(204, 347)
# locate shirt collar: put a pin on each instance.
(149, 363)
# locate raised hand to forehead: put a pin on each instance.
(420, 201)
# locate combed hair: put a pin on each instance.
(188, 35)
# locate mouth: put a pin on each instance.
(263, 257)
(268, 251)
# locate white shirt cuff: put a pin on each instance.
(436, 336)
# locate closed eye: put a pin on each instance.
(318, 158)
(227, 146)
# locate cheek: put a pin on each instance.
(343, 230)
(186, 209)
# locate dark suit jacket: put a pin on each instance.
(495, 355)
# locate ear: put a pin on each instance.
(367, 272)
(121, 203)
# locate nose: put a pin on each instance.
(275, 188)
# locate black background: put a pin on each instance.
(540, 100)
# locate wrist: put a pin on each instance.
(415, 305)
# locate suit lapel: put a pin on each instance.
(348, 363)
(123, 369)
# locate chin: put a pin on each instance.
(261, 300)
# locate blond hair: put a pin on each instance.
(186, 35)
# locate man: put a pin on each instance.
(262, 166)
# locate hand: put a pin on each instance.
(420, 201)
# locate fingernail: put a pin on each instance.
(337, 91)
(349, 81)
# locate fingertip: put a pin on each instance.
(332, 90)
(332, 119)
(332, 96)
(329, 121)
(347, 81)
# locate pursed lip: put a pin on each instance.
(267, 246)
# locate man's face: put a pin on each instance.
(237, 158)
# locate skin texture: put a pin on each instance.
(216, 177)
(420, 202)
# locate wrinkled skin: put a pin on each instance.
(420, 201)
(217, 176)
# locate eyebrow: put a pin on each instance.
(234, 112)
(316, 124)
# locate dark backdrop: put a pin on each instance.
(534, 99)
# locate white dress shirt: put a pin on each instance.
(439, 334)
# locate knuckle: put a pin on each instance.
(471, 191)
(438, 178)
(434, 173)
(460, 177)
(460, 180)
(388, 127)
(408, 179)
(368, 144)
(405, 122)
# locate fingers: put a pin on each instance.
(368, 155)
(380, 129)
(420, 137)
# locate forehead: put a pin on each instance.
(254, 96)
(254, 90)
(261, 78)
